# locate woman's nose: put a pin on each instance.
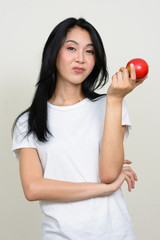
(80, 57)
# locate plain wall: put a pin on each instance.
(129, 29)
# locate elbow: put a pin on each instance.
(30, 193)
(108, 178)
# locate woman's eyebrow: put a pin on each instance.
(89, 44)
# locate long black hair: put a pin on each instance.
(45, 87)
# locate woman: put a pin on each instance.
(69, 142)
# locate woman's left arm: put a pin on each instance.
(111, 157)
(112, 150)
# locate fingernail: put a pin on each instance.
(131, 65)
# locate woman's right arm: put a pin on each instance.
(36, 187)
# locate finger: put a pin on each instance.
(114, 78)
(125, 74)
(129, 183)
(132, 181)
(132, 72)
(119, 75)
(127, 161)
(125, 168)
(134, 174)
(129, 174)
(122, 69)
(129, 169)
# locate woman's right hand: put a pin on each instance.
(127, 174)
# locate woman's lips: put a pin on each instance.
(79, 70)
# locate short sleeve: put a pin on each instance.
(125, 119)
(20, 137)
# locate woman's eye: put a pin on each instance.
(71, 48)
(90, 51)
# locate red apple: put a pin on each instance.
(141, 67)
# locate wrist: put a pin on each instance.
(107, 189)
(114, 100)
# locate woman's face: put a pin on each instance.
(76, 59)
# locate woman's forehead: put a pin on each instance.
(78, 35)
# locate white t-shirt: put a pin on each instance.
(73, 155)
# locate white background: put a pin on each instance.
(129, 29)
